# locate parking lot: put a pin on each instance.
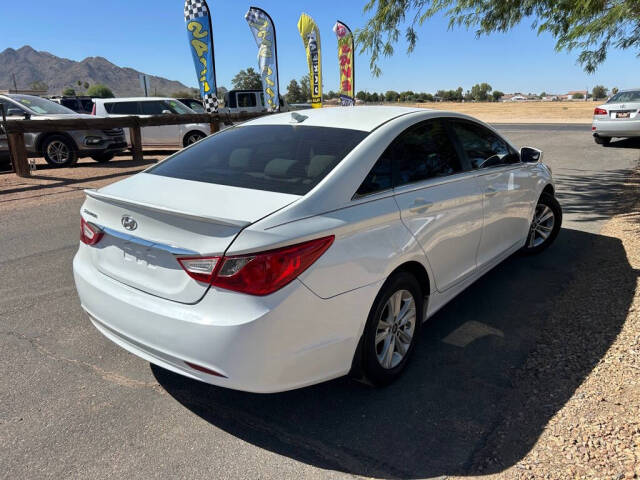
(74, 405)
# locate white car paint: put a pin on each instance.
(456, 228)
(160, 136)
(626, 103)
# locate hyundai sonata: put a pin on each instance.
(303, 246)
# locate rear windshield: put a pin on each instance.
(278, 158)
(632, 96)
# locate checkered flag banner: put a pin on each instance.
(195, 9)
(197, 16)
(210, 102)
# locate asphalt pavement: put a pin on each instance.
(74, 405)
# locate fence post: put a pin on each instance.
(19, 157)
(136, 142)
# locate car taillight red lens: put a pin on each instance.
(93, 109)
(258, 273)
(89, 234)
(599, 111)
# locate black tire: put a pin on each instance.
(103, 157)
(59, 151)
(372, 368)
(192, 137)
(602, 140)
(532, 246)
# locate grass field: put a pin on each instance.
(521, 112)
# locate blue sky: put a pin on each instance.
(149, 35)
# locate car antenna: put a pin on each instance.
(297, 117)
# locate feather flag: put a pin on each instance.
(197, 18)
(264, 33)
(311, 40)
(346, 63)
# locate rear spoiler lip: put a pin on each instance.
(170, 211)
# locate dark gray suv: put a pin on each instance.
(65, 147)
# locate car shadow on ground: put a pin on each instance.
(625, 143)
(596, 195)
(463, 384)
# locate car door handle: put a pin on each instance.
(490, 192)
(420, 205)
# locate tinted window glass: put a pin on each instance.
(246, 99)
(621, 97)
(421, 152)
(379, 178)
(71, 103)
(483, 147)
(278, 158)
(153, 107)
(87, 105)
(122, 108)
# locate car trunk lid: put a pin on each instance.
(150, 220)
(623, 111)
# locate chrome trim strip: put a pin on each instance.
(147, 243)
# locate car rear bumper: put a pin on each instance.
(286, 340)
(616, 128)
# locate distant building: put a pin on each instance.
(570, 95)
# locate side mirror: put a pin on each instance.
(166, 112)
(530, 155)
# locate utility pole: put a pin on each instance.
(15, 86)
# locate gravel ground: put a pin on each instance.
(596, 435)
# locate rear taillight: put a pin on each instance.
(93, 109)
(599, 111)
(258, 273)
(89, 234)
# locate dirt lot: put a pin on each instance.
(522, 112)
(53, 184)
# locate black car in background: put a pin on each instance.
(79, 104)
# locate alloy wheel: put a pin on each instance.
(193, 138)
(395, 329)
(541, 227)
(58, 152)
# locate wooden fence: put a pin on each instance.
(16, 129)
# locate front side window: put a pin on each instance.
(421, 152)
(246, 100)
(122, 108)
(278, 158)
(483, 147)
(175, 106)
(154, 107)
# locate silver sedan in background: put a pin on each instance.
(619, 117)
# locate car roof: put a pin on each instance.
(365, 118)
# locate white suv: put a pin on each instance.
(165, 135)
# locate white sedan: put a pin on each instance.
(619, 117)
(304, 246)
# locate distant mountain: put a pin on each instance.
(29, 66)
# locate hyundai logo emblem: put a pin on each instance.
(129, 223)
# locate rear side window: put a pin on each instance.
(71, 103)
(278, 158)
(122, 108)
(483, 147)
